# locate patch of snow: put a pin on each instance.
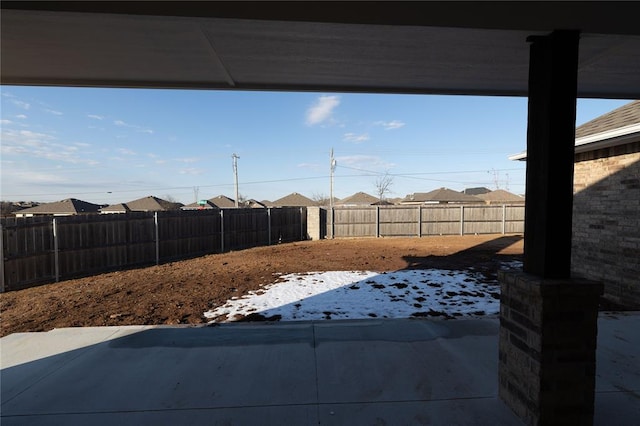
(366, 294)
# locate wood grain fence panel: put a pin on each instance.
(482, 219)
(440, 220)
(441, 228)
(514, 213)
(347, 230)
(140, 240)
(354, 221)
(88, 244)
(28, 252)
(514, 219)
(398, 222)
(285, 224)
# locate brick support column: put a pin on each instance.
(548, 321)
(548, 332)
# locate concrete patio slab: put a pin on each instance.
(303, 373)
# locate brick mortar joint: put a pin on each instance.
(538, 286)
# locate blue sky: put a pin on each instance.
(117, 145)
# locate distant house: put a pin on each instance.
(254, 204)
(500, 196)
(394, 201)
(68, 207)
(223, 202)
(440, 196)
(383, 203)
(358, 199)
(476, 191)
(206, 205)
(606, 203)
(219, 202)
(294, 200)
(146, 204)
(115, 208)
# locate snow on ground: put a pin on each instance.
(365, 294)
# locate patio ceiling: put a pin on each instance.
(424, 48)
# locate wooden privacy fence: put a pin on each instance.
(404, 221)
(47, 249)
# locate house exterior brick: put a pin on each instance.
(606, 221)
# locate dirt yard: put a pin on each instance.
(180, 292)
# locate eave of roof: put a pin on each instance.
(595, 141)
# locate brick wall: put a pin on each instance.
(606, 221)
(547, 358)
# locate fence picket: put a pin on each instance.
(45, 249)
(396, 221)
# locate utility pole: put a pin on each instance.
(196, 189)
(332, 162)
(235, 174)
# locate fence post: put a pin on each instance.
(333, 228)
(301, 226)
(377, 221)
(504, 218)
(155, 224)
(56, 259)
(1, 260)
(419, 221)
(461, 220)
(221, 231)
(269, 224)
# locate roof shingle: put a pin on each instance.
(359, 198)
(442, 195)
(294, 200)
(626, 115)
(69, 206)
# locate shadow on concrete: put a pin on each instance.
(340, 372)
(329, 372)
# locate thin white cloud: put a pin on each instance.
(21, 116)
(310, 166)
(365, 162)
(41, 145)
(352, 137)
(191, 171)
(187, 160)
(135, 127)
(390, 125)
(126, 151)
(95, 116)
(322, 109)
(21, 104)
(52, 111)
(34, 177)
(5, 122)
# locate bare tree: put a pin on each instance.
(243, 201)
(383, 185)
(320, 199)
